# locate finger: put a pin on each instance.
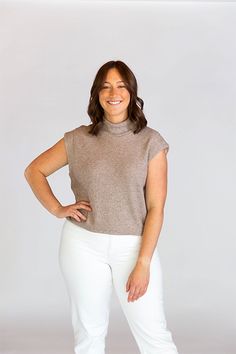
(86, 207)
(73, 215)
(136, 296)
(128, 285)
(137, 293)
(133, 293)
(83, 201)
(142, 291)
(78, 213)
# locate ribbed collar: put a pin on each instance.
(121, 128)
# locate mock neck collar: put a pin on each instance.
(121, 128)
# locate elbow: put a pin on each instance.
(157, 210)
(28, 171)
(32, 170)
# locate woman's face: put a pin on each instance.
(114, 97)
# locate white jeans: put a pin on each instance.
(92, 265)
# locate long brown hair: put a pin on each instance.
(135, 108)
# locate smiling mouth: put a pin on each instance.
(114, 103)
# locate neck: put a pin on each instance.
(120, 128)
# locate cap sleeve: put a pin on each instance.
(157, 143)
(69, 143)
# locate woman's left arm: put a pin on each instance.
(156, 191)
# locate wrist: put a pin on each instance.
(145, 261)
(55, 209)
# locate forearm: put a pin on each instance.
(41, 189)
(151, 231)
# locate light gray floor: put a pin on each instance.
(195, 329)
(43, 336)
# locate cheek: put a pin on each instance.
(127, 98)
(101, 98)
(127, 95)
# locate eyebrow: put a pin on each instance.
(109, 82)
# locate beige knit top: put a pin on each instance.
(110, 170)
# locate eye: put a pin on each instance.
(106, 87)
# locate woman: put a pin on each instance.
(118, 171)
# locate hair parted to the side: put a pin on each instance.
(135, 108)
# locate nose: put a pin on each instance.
(114, 94)
(113, 90)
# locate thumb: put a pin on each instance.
(128, 285)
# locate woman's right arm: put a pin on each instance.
(36, 174)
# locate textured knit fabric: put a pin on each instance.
(110, 170)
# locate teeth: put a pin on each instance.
(114, 102)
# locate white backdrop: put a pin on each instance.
(183, 56)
